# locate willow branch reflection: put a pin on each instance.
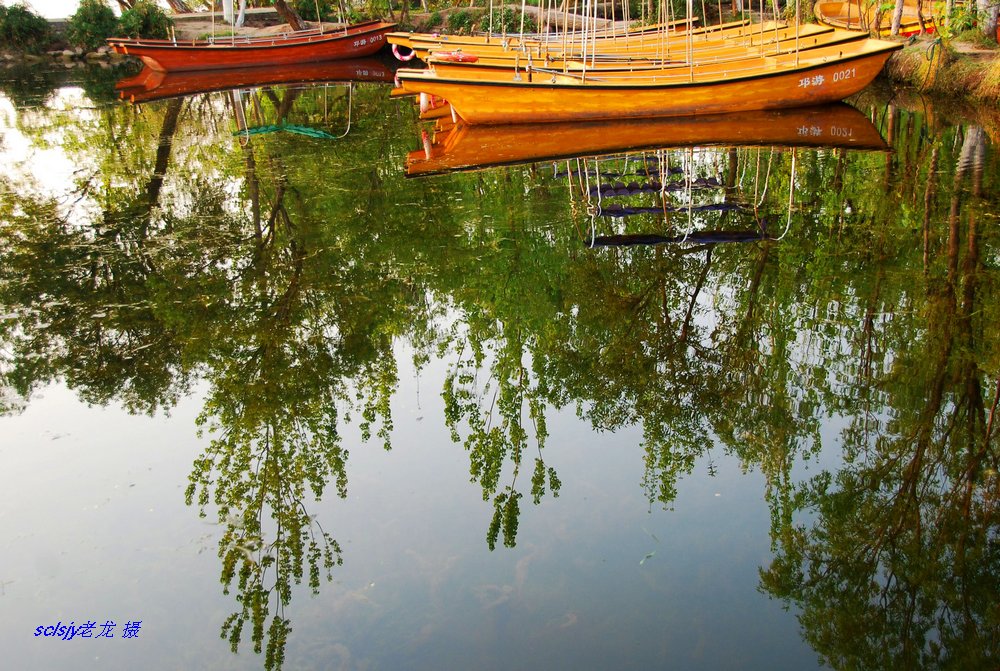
(277, 388)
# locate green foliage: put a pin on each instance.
(435, 20)
(976, 37)
(328, 10)
(463, 20)
(643, 13)
(961, 19)
(91, 24)
(356, 15)
(506, 514)
(507, 20)
(145, 19)
(22, 29)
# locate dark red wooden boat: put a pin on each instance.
(152, 84)
(356, 41)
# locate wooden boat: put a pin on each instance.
(461, 146)
(813, 77)
(152, 84)
(869, 16)
(355, 41)
(812, 37)
(658, 41)
(411, 41)
(668, 50)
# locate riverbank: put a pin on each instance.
(958, 69)
(199, 25)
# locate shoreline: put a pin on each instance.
(956, 70)
(925, 64)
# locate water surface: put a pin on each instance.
(700, 404)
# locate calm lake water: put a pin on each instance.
(701, 394)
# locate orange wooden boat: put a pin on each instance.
(460, 146)
(813, 77)
(152, 84)
(417, 43)
(356, 41)
(811, 37)
(422, 45)
(669, 49)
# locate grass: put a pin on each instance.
(223, 31)
(975, 37)
(940, 70)
(989, 87)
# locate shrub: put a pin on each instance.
(434, 20)
(507, 20)
(462, 21)
(22, 29)
(356, 15)
(307, 10)
(961, 20)
(91, 25)
(145, 19)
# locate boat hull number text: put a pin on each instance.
(833, 131)
(368, 40)
(842, 75)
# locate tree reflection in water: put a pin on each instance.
(899, 566)
(287, 301)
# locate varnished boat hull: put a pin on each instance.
(826, 76)
(357, 42)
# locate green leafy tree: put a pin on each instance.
(21, 28)
(91, 25)
(145, 19)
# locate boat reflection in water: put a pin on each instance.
(152, 84)
(459, 146)
(654, 182)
